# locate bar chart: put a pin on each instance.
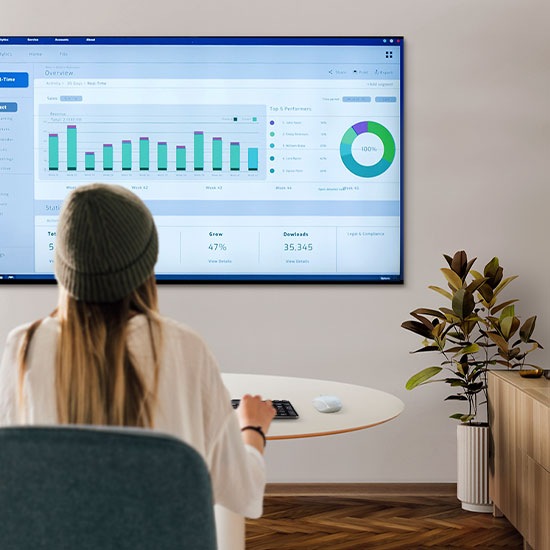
(182, 140)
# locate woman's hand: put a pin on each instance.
(254, 411)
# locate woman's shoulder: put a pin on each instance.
(172, 330)
(48, 324)
(171, 324)
(43, 337)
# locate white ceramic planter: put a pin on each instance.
(473, 467)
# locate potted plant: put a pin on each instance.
(477, 332)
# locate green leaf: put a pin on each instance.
(498, 340)
(469, 266)
(535, 346)
(426, 311)
(492, 268)
(422, 377)
(494, 322)
(441, 291)
(476, 283)
(476, 374)
(486, 293)
(463, 303)
(469, 325)
(426, 348)
(456, 398)
(449, 260)
(452, 278)
(463, 368)
(438, 331)
(424, 320)
(496, 309)
(508, 311)
(475, 387)
(417, 328)
(509, 326)
(527, 329)
(450, 315)
(458, 263)
(472, 348)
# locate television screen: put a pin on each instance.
(261, 158)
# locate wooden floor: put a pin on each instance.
(379, 521)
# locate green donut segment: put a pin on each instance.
(349, 137)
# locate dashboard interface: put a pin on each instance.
(260, 158)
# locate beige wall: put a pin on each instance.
(477, 148)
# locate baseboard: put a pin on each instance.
(362, 490)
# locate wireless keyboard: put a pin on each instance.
(284, 408)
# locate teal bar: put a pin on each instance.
(126, 154)
(217, 155)
(107, 156)
(235, 155)
(162, 155)
(253, 158)
(71, 147)
(198, 155)
(53, 152)
(181, 157)
(144, 153)
(89, 161)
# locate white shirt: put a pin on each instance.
(193, 403)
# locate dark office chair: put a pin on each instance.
(83, 488)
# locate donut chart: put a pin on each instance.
(363, 170)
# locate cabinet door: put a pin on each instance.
(533, 419)
(537, 532)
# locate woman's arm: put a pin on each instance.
(255, 416)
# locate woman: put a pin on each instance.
(105, 356)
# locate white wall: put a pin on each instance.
(477, 148)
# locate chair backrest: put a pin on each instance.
(83, 488)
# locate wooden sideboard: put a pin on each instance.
(519, 480)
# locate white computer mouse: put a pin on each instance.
(327, 403)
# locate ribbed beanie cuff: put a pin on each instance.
(106, 244)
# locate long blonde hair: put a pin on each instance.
(96, 378)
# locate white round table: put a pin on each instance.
(362, 407)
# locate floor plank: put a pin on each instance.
(381, 522)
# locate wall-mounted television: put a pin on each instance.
(274, 159)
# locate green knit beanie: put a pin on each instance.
(106, 244)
